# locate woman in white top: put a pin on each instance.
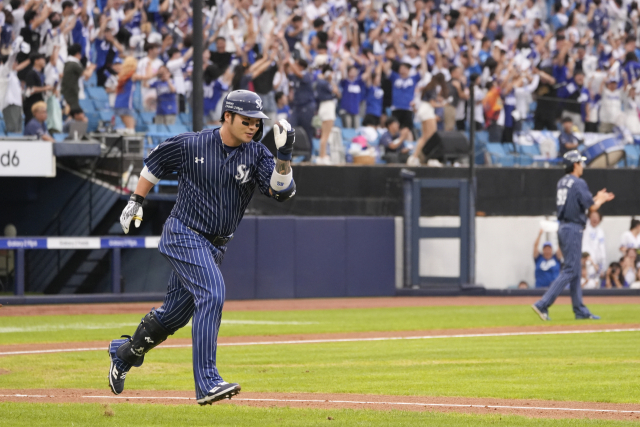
(610, 104)
(631, 239)
(628, 264)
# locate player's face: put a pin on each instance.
(547, 252)
(244, 128)
(578, 168)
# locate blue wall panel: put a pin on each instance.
(239, 265)
(320, 257)
(275, 257)
(370, 251)
(298, 257)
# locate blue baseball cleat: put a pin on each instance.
(544, 315)
(119, 368)
(590, 316)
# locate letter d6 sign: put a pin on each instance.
(27, 158)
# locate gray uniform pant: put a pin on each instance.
(570, 239)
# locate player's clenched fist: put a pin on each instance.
(284, 136)
(133, 211)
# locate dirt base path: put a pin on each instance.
(38, 348)
(302, 304)
(527, 408)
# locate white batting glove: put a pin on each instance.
(280, 133)
(284, 136)
(133, 211)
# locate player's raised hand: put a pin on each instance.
(284, 136)
(133, 211)
(604, 196)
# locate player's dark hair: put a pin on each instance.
(569, 168)
(66, 4)
(233, 116)
(279, 95)
(634, 223)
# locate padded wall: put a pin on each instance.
(308, 257)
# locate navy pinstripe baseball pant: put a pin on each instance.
(570, 239)
(196, 289)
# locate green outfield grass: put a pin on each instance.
(95, 415)
(603, 367)
(222, 415)
(29, 329)
(599, 367)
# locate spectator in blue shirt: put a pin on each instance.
(547, 263)
(166, 105)
(568, 141)
(374, 94)
(403, 89)
(37, 125)
(352, 93)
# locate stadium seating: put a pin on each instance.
(176, 129)
(632, 153)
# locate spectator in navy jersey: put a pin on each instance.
(37, 125)
(167, 105)
(108, 49)
(352, 88)
(567, 140)
(303, 103)
(393, 142)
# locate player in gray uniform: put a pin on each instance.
(573, 202)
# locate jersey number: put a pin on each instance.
(562, 196)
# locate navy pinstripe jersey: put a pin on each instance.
(214, 187)
(573, 199)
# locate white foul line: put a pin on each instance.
(338, 340)
(443, 405)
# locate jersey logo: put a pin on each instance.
(243, 174)
(259, 103)
(201, 160)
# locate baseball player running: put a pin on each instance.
(573, 202)
(217, 171)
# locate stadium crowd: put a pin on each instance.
(400, 68)
(624, 272)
